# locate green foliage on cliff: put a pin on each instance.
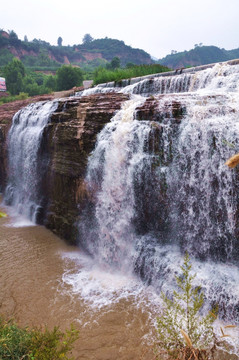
(18, 343)
(181, 329)
(200, 55)
(102, 75)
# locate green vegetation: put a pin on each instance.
(21, 96)
(39, 67)
(18, 343)
(39, 53)
(2, 214)
(14, 73)
(200, 55)
(182, 332)
(103, 75)
(67, 77)
(22, 80)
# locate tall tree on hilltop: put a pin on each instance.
(87, 39)
(59, 41)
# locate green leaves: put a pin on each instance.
(181, 316)
(22, 343)
(68, 77)
(2, 214)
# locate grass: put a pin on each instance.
(18, 343)
(7, 99)
(102, 75)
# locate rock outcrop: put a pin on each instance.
(67, 142)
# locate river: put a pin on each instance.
(46, 282)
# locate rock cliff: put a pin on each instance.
(68, 140)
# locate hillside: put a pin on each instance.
(39, 53)
(200, 55)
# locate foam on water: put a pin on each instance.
(14, 219)
(100, 287)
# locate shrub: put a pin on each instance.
(22, 343)
(102, 75)
(68, 77)
(182, 332)
(21, 96)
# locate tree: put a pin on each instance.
(114, 64)
(50, 82)
(44, 58)
(25, 38)
(14, 73)
(87, 39)
(129, 65)
(181, 331)
(13, 35)
(68, 77)
(59, 41)
(13, 38)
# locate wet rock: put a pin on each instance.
(68, 140)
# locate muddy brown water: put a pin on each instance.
(33, 262)
(42, 283)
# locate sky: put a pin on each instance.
(156, 26)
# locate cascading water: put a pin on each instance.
(207, 191)
(26, 172)
(119, 155)
(160, 189)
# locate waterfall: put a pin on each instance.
(156, 184)
(207, 191)
(26, 171)
(119, 155)
(162, 188)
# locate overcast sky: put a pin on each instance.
(156, 26)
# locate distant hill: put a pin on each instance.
(200, 55)
(41, 53)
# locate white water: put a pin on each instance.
(221, 78)
(200, 211)
(25, 170)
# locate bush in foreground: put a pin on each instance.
(182, 332)
(33, 344)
